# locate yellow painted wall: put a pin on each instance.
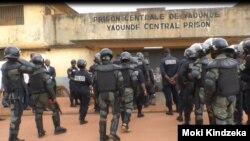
(28, 35)
(60, 58)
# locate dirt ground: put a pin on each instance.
(155, 126)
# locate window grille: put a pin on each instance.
(11, 15)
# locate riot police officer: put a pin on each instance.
(14, 85)
(198, 73)
(97, 61)
(140, 91)
(207, 45)
(130, 80)
(149, 83)
(221, 83)
(169, 67)
(43, 95)
(245, 77)
(238, 113)
(142, 66)
(72, 86)
(83, 81)
(188, 83)
(180, 85)
(108, 83)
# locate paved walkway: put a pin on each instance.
(155, 126)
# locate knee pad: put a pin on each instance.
(220, 113)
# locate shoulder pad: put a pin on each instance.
(223, 63)
(3, 66)
(204, 61)
(108, 67)
(127, 66)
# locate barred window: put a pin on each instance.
(11, 15)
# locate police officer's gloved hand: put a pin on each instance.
(52, 100)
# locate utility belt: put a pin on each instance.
(127, 86)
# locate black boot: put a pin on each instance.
(114, 137)
(122, 116)
(180, 118)
(39, 125)
(199, 122)
(186, 121)
(13, 137)
(170, 110)
(58, 128)
(102, 131)
(140, 114)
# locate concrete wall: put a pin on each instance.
(28, 35)
(172, 24)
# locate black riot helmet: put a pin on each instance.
(106, 54)
(140, 56)
(97, 58)
(219, 45)
(37, 59)
(198, 49)
(125, 56)
(134, 61)
(12, 52)
(235, 52)
(245, 44)
(207, 45)
(81, 63)
(146, 62)
(190, 53)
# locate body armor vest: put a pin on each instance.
(228, 82)
(80, 78)
(36, 81)
(13, 79)
(127, 71)
(204, 62)
(106, 79)
(170, 65)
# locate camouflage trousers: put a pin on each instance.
(106, 99)
(16, 112)
(126, 105)
(199, 98)
(223, 110)
(41, 103)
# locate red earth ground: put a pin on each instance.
(155, 126)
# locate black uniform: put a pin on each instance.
(187, 88)
(92, 71)
(82, 81)
(72, 85)
(140, 91)
(169, 66)
(180, 86)
(245, 76)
